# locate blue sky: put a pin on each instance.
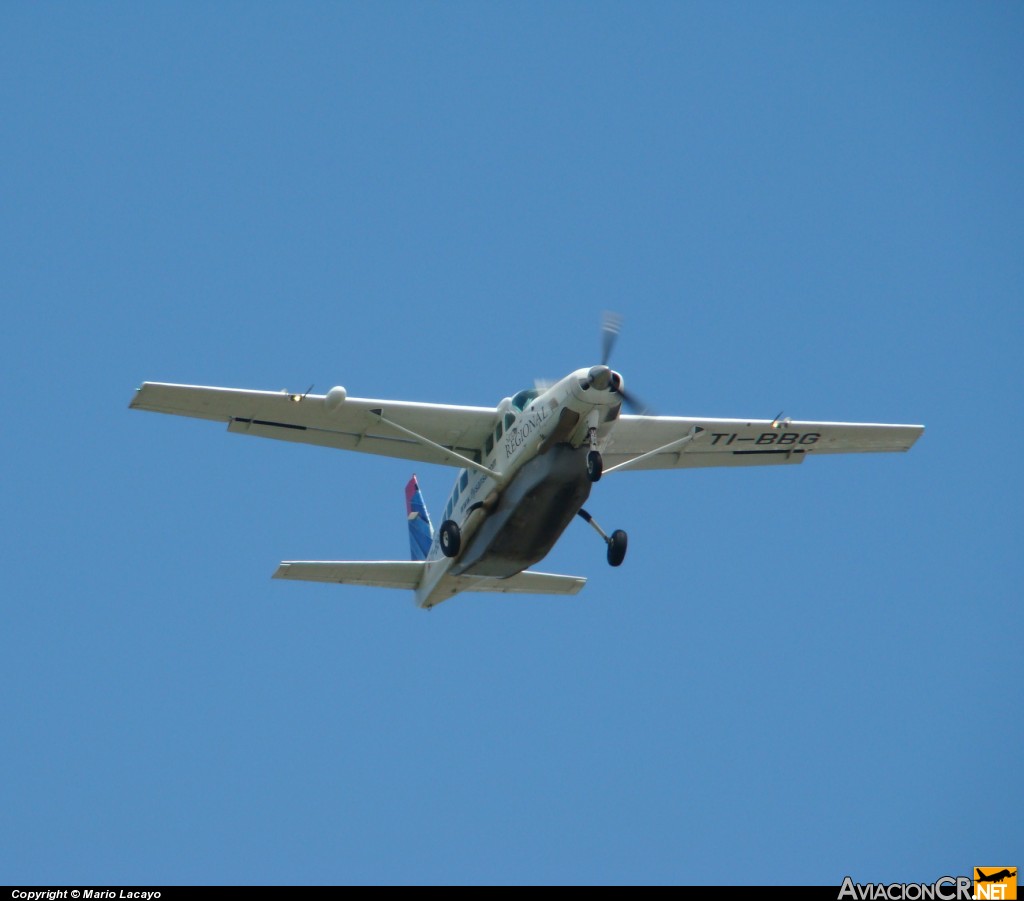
(798, 674)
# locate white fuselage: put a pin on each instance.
(527, 426)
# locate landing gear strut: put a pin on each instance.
(616, 542)
(595, 465)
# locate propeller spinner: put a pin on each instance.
(603, 377)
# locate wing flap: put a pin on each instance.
(367, 442)
(378, 573)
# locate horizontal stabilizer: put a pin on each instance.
(379, 573)
(408, 574)
(525, 583)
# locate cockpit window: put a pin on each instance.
(523, 399)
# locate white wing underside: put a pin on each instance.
(350, 425)
(407, 574)
(744, 442)
(355, 425)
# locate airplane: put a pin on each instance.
(995, 877)
(526, 466)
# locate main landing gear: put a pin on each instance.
(451, 538)
(616, 542)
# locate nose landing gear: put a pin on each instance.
(595, 465)
(617, 547)
(616, 542)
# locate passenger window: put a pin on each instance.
(464, 481)
(497, 432)
(448, 511)
(455, 494)
(488, 445)
(509, 419)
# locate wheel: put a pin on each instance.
(595, 466)
(617, 547)
(451, 538)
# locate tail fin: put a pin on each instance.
(421, 532)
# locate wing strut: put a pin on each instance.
(472, 464)
(672, 445)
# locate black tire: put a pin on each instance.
(451, 538)
(595, 466)
(617, 547)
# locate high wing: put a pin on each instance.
(331, 420)
(678, 442)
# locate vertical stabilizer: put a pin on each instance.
(421, 532)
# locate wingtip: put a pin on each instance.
(133, 404)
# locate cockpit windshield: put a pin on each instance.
(524, 398)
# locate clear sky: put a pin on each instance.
(798, 673)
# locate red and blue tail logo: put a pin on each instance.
(421, 532)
